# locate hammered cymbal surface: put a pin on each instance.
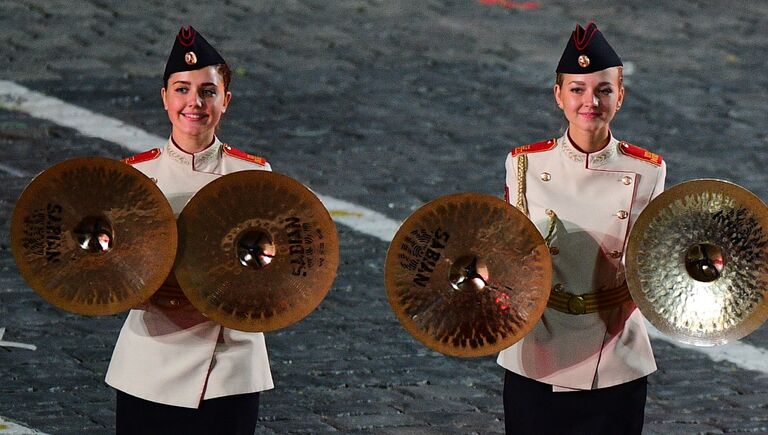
(49, 216)
(468, 320)
(697, 215)
(223, 214)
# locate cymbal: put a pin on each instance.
(468, 275)
(697, 262)
(258, 251)
(93, 236)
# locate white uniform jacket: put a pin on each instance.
(596, 198)
(176, 356)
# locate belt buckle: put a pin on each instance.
(576, 305)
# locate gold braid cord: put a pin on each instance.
(522, 167)
(552, 227)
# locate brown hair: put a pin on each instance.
(559, 77)
(224, 72)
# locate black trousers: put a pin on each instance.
(229, 415)
(530, 407)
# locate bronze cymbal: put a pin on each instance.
(258, 251)
(93, 236)
(468, 275)
(697, 262)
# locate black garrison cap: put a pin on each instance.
(190, 51)
(587, 51)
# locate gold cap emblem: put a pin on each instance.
(191, 58)
(583, 61)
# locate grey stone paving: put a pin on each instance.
(387, 104)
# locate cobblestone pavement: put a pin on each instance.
(386, 104)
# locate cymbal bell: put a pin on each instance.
(258, 251)
(468, 275)
(697, 262)
(93, 236)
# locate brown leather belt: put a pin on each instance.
(593, 302)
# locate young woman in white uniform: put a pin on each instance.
(174, 370)
(583, 368)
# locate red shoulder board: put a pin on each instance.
(639, 153)
(537, 147)
(143, 157)
(234, 152)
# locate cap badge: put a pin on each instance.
(583, 61)
(191, 58)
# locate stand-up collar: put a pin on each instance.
(197, 161)
(594, 160)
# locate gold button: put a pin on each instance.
(558, 287)
(545, 176)
(622, 214)
(576, 305)
(615, 254)
(627, 180)
(554, 250)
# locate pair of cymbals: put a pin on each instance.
(469, 275)
(254, 250)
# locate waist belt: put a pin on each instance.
(593, 302)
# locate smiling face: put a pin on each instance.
(589, 101)
(195, 101)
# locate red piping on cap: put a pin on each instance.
(187, 36)
(582, 37)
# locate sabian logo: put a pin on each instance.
(42, 233)
(420, 252)
(306, 245)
